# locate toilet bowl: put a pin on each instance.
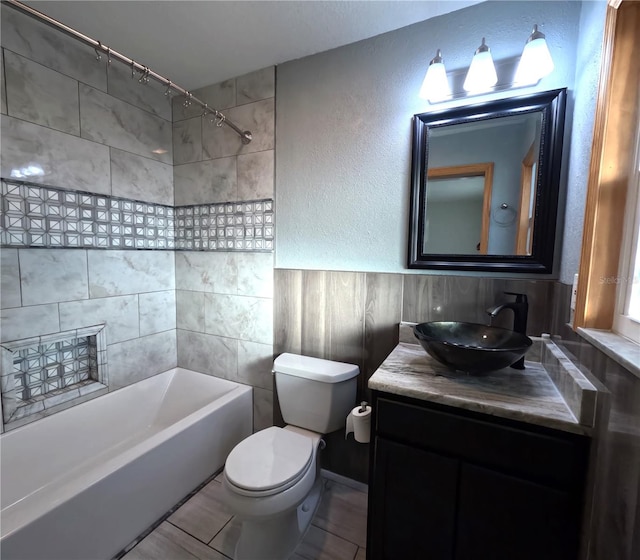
(271, 482)
(271, 479)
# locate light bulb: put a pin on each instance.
(435, 86)
(482, 75)
(535, 62)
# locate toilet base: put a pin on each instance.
(276, 538)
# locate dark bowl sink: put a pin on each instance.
(471, 347)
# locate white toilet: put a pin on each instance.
(271, 479)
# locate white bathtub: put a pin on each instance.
(83, 483)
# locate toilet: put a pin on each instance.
(271, 479)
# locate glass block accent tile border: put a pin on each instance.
(42, 373)
(39, 216)
(232, 226)
(54, 365)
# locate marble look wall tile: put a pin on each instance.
(208, 354)
(37, 41)
(255, 274)
(137, 359)
(240, 317)
(3, 96)
(190, 310)
(40, 95)
(53, 275)
(10, 276)
(262, 409)
(256, 175)
(255, 86)
(187, 141)
(218, 96)
(149, 97)
(27, 322)
(207, 272)
(157, 312)
(110, 121)
(205, 182)
(120, 314)
(257, 117)
(66, 160)
(255, 362)
(141, 178)
(116, 273)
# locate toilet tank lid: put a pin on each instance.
(317, 369)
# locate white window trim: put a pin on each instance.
(623, 324)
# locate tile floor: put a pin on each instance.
(203, 529)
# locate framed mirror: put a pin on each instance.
(485, 181)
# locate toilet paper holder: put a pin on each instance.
(358, 422)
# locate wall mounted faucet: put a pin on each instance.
(520, 309)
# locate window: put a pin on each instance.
(627, 318)
(607, 299)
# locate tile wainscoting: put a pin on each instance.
(353, 317)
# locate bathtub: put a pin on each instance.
(83, 483)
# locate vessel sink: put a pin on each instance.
(471, 347)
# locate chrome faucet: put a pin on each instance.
(520, 309)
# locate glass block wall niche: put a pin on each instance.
(42, 374)
(38, 216)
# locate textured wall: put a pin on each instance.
(225, 300)
(93, 130)
(343, 129)
(588, 55)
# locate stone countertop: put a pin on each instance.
(528, 395)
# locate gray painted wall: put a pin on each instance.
(344, 121)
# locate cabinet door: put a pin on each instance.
(413, 495)
(501, 517)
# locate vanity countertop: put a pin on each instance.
(530, 395)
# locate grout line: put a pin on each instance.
(165, 517)
(218, 532)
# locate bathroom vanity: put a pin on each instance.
(478, 467)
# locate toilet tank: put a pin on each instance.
(315, 394)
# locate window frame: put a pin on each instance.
(615, 130)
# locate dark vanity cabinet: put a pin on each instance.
(448, 483)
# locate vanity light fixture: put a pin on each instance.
(481, 76)
(485, 76)
(435, 86)
(536, 61)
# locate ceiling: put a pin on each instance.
(205, 42)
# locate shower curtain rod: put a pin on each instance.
(145, 71)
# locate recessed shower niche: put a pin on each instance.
(45, 374)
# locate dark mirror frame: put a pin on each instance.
(552, 105)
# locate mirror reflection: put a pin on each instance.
(479, 186)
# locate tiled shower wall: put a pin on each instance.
(225, 300)
(94, 129)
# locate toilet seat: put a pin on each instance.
(269, 462)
